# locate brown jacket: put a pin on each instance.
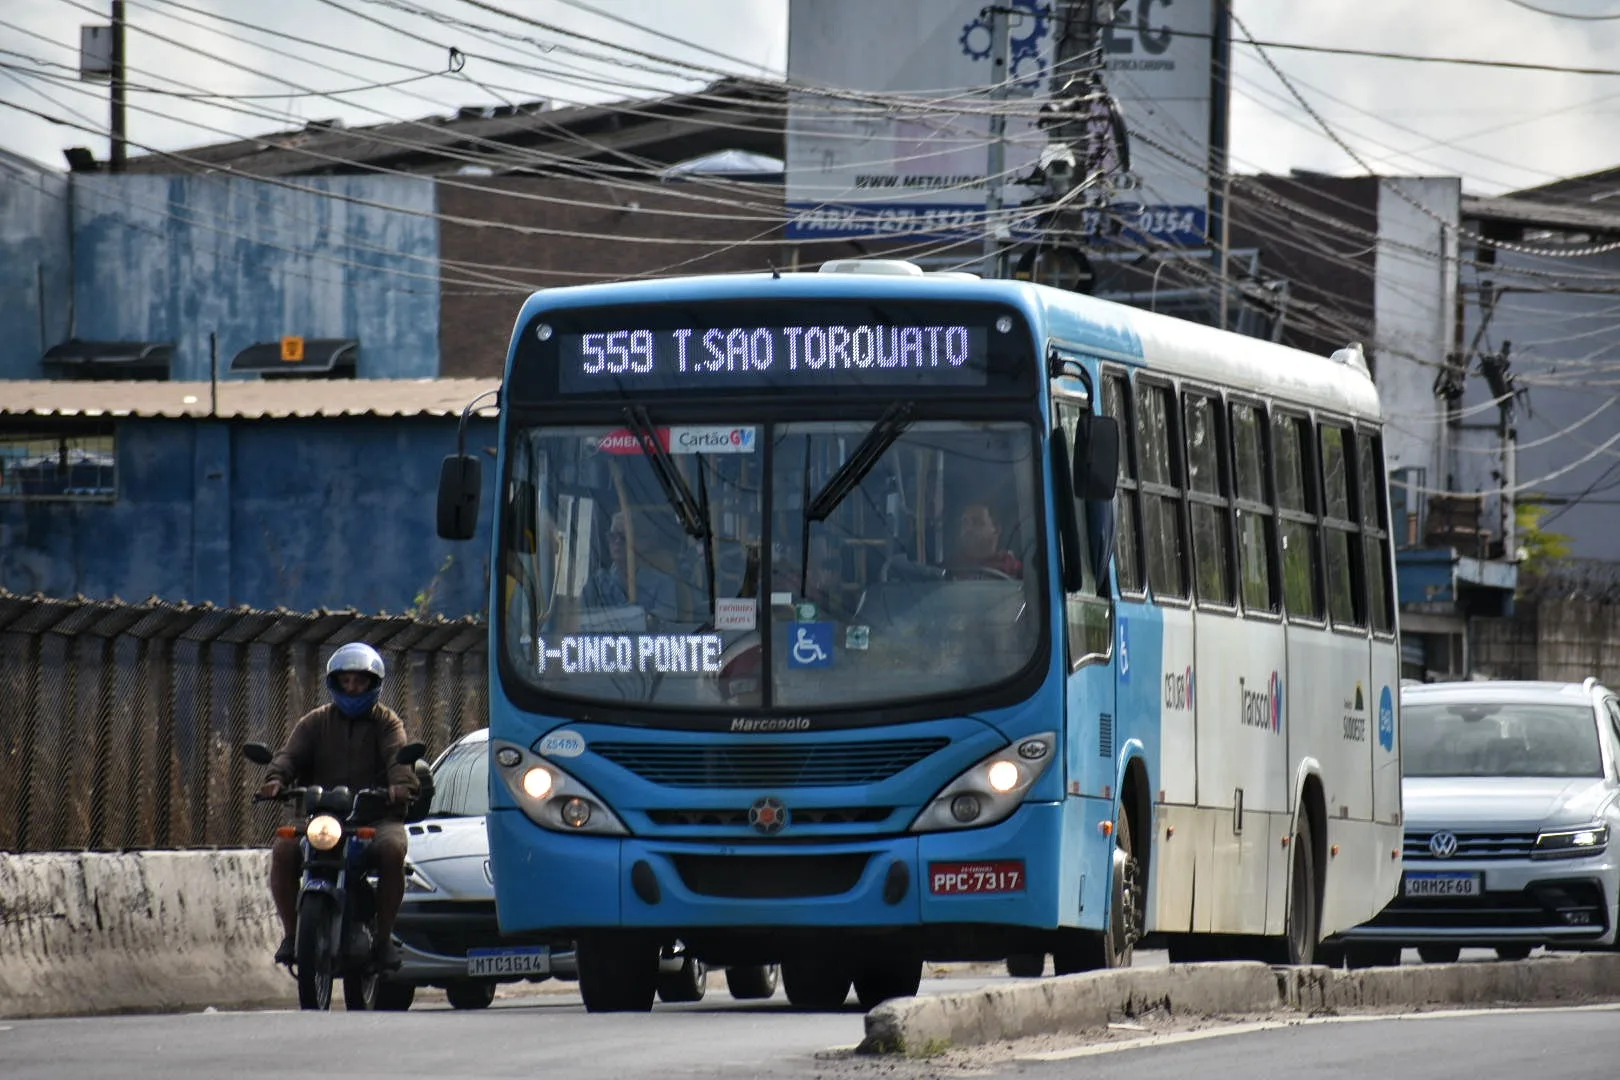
(327, 748)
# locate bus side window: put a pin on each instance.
(1116, 400)
(1341, 535)
(1161, 491)
(1375, 530)
(1257, 523)
(1207, 494)
(1291, 447)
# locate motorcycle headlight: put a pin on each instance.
(990, 790)
(550, 797)
(1572, 843)
(324, 832)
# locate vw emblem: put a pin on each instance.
(768, 816)
(1443, 845)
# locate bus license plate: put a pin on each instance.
(517, 960)
(1420, 884)
(961, 878)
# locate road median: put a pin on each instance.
(1075, 1004)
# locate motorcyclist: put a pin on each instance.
(352, 742)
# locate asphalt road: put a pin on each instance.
(550, 1034)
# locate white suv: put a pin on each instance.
(1512, 800)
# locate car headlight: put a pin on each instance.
(324, 832)
(416, 881)
(1573, 843)
(990, 790)
(550, 797)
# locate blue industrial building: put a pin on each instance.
(274, 494)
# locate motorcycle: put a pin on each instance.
(337, 902)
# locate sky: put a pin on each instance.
(1498, 129)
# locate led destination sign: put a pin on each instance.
(695, 358)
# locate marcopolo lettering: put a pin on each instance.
(770, 723)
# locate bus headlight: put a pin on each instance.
(990, 790)
(550, 797)
(324, 832)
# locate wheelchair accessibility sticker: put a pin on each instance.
(810, 644)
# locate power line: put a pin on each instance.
(1562, 14)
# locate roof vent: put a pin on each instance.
(1352, 356)
(890, 267)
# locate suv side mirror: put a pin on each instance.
(258, 753)
(410, 752)
(1096, 460)
(460, 484)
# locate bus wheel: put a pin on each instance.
(1026, 965)
(1115, 946)
(888, 977)
(815, 983)
(752, 982)
(1303, 919)
(617, 972)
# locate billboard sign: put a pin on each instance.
(1157, 57)
(888, 117)
(893, 141)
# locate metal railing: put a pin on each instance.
(121, 724)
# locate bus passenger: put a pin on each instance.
(608, 586)
(979, 550)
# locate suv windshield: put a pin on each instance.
(920, 579)
(461, 782)
(1488, 738)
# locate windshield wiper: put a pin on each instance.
(889, 427)
(669, 478)
(883, 434)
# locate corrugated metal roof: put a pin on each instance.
(1542, 213)
(243, 399)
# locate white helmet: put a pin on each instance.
(356, 656)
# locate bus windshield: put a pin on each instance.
(901, 561)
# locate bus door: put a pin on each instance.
(1085, 530)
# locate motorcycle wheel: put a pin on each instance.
(360, 991)
(314, 954)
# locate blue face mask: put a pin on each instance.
(354, 705)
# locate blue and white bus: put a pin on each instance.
(855, 619)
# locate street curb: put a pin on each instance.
(1076, 1003)
(1068, 1003)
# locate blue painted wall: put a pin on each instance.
(172, 258)
(34, 265)
(301, 514)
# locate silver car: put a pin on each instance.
(447, 932)
(1512, 797)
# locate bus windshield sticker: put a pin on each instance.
(858, 638)
(630, 654)
(811, 644)
(709, 440)
(735, 613)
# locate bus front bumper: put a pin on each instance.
(1013, 873)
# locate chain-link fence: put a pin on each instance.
(121, 725)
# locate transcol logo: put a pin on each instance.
(1262, 708)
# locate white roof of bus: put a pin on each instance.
(1204, 354)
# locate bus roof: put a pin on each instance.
(1111, 331)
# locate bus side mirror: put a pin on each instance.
(460, 483)
(1096, 460)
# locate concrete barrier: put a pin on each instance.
(1074, 1004)
(157, 931)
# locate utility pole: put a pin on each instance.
(1220, 164)
(994, 200)
(115, 159)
